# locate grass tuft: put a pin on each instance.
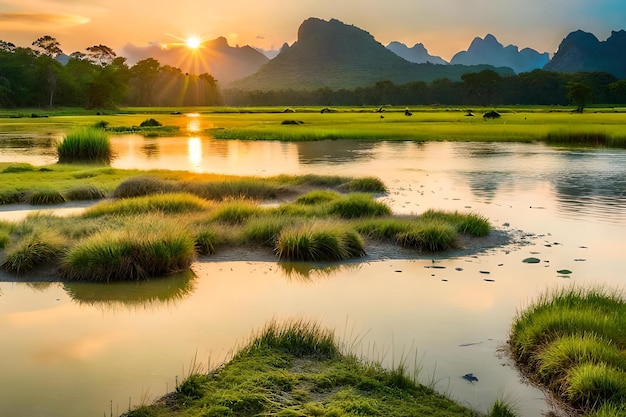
(235, 211)
(46, 197)
(141, 186)
(161, 203)
(84, 193)
(358, 205)
(148, 247)
(319, 242)
(32, 250)
(85, 144)
(428, 236)
(366, 185)
(317, 197)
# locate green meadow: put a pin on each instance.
(425, 123)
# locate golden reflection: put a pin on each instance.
(195, 152)
(308, 272)
(83, 348)
(193, 125)
(133, 294)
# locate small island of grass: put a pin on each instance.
(298, 369)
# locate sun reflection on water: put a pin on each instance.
(195, 153)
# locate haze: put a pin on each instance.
(443, 26)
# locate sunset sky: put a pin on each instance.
(443, 26)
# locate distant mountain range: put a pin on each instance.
(490, 51)
(336, 55)
(417, 53)
(582, 51)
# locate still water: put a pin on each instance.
(89, 350)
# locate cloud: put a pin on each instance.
(28, 21)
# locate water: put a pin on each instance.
(79, 350)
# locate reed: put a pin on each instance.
(85, 144)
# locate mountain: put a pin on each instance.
(582, 51)
(490, 51)
(418, 53)
(336, 55)
(216, 57)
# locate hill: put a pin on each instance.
(417, 53)
(490, 51)
(336, 55)
(583, 52)
(225, 63)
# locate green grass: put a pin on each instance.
(32, 250)
(572, 341)
(157, 203)
(319, 241)
(357, 205)
(296, 369)
(317, 197)
(84, 193)
(235, 211)
(85, 144)
(366, 185)
(429, 236)
(46, 197)
(146, 247)
(265, 230)
(468, 224)
(586, 138)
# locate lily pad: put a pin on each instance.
(531, 260)
(564, 272)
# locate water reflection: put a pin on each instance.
(195, 152)
(150, 149)
(335, 151)
(309, 272)
(112, 296)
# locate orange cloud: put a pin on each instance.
(27, 21)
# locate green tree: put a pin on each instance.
(144, 74)
(101, 54)
(579, 94)
(48, 46)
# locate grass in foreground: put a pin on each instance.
(297, 369)
(572, 341)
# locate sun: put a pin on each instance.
(193, 42)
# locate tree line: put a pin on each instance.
(484, 88)
(97, 78)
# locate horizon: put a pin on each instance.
(444, 27)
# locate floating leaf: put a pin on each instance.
(564, 272)
(531, 260)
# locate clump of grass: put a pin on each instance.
(298, 338)
(366, 185)
(469, 224)
(235, 211)
(358, 205)
(563, 137)
(428, 236)
(85, 144)
(317, 197)
(84, 193)
(20, 167)
(102, 124)
(161, 203)
(572, 341)
(141, 186)
(46, 197)
(319, 242)
(145, 248)
(32, 250)
(502, 409)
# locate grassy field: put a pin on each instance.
(425, 123)
(298, 369)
